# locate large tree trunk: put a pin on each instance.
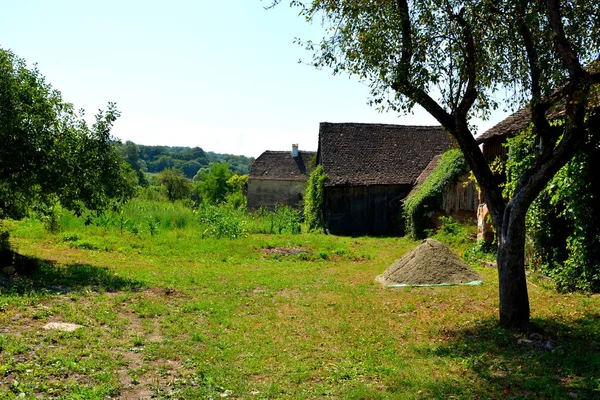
(514, 300)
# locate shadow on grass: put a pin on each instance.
(548, 360)
(45, 276)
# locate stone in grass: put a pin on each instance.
(430, 263)
(61, 326)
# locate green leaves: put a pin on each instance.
(451, 166)
(313, 199)
(213, 182)
(178, 187)
(564, 221)
(48, 151)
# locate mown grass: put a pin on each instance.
(181, 315)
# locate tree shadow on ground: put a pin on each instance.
(547, 360)
(46, 276)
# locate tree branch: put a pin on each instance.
(538, 105)
(402, 82)
(575, 95)
(561, 43)
(455, 124)
(533, 181)
(470, 94)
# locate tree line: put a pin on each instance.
(190, 160)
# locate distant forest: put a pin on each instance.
(190, 160)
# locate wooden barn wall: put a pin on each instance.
(269, 193)
(358, 210)
(460, 197)
(494, 148)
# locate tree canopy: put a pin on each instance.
(190, 160)
(49, 153)
(213, 183)
(178, 187)
(461, 58)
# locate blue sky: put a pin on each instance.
(223, 75)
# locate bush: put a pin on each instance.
(221, 221)
(285, 219)
(313, 200)
(178, 187)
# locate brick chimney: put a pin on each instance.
(295, 150)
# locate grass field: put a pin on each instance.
(180, 315)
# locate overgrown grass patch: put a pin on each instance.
(176, 315)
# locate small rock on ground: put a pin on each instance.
(62, 326)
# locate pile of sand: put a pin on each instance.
(429, 263)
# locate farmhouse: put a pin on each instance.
(278, 177)
(370, 168)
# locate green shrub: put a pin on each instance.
(221, 221)
(285, 219)
(481, 251)
(313, 200)
(563, 222)
(448, 226)
(455, 234)
(50, 216)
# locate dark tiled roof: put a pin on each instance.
(511, 125)
(521, 119)
(281, 165)
(376, 154)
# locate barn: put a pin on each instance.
(370, 168)
(278, 177)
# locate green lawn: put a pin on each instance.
(175, 315)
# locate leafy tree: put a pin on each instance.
(48, 152)
(191, 168)
(238, 164)
(238, 187)
(212, 182)
(131, 153)
(193, 153)
(177, 185)
(452, 57)
(238, 183)
(162, 163)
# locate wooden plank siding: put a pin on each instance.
(460, 197)
(359, 210)
(494, 148)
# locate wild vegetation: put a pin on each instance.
(313, 200)
(427, 197)
(171, 310)
(564, 220)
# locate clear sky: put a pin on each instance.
(222, 75)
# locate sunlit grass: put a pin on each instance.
(179, 315)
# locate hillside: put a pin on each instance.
(190, 160)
